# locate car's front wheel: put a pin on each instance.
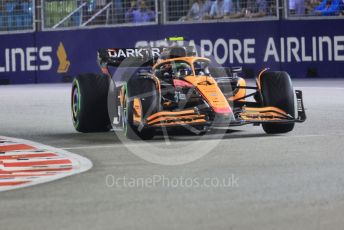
(89, 103)
(277, 91)
(140, 101)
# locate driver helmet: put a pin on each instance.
(183, 69)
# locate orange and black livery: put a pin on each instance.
(171, 87)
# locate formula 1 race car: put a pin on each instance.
(166, 88)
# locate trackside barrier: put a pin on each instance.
(295, 46)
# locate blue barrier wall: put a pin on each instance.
(303, 48)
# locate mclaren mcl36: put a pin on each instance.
(166, 88)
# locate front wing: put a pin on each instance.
(246, 115)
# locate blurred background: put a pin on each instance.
(37, 15)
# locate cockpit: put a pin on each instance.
(177, 69)
(173, 76)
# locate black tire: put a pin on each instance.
(277, 91)
(89, 103)
(145, 90)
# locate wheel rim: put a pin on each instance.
(75, 102)
(124, 114)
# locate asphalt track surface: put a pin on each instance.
(291, 181)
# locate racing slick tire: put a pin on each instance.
(89, 103)
(277, 91)
(145, 90)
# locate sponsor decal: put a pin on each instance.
(136, 52)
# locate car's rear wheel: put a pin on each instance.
(277, 91)
(142, 90)
(89, 103)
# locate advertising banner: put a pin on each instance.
(313, 48)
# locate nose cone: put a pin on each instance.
(211, 92)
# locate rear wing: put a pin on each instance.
(134, 57)
(140, 57)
